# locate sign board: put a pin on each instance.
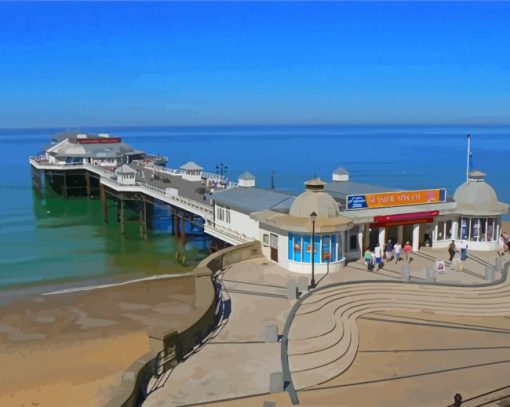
(100, 140)
(392, 199)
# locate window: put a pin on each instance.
(440, 230)
(227, 215)
(475, 229)
(491, 229)
(326, 249)
(449, 229)
(297, 247)
(464, 228)
(265, 239)
(220, 213)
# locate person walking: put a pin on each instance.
(368, 259)
(451, 250)
(502, 245)
(463, 250)
(388, 250)
(397, 248)
(407, 249)
(378, 259)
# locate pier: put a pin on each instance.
(189, 201)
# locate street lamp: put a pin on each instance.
(313, 218)
(221, 169)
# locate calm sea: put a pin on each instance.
(46, 240)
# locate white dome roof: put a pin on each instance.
(476, 197)
(314, 200)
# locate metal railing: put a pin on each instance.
(460, 402)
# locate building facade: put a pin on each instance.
(350, 217)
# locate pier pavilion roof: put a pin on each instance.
(476, 197)
(191, 166)
(71, 148)
(302, 224)
(248, 200)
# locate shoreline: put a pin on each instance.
(73, 346)
(20, 291)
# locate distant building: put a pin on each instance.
(83, 148)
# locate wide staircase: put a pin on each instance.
(323, 338)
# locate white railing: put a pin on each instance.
(232, 233)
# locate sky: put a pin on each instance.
(174, 63)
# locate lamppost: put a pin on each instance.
(313, 218)
(221, 169)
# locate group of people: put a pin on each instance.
(387, 253)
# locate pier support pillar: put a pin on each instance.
(121, 219)
(64, 192)
(87, 183)
(144, 220)
(102, 192)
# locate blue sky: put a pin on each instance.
(104, 64)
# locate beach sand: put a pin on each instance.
(72, 349)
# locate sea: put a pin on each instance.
(46, 241)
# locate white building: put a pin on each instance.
(82, 148)
(351, 217)
(191, 171)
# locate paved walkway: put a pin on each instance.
(413, 333)
(236, 362)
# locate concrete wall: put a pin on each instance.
(239, 222)
(132, 389)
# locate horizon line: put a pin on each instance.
(255, 125)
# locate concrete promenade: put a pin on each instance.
(397, 340)
(236, 362)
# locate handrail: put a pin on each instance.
(458, 404)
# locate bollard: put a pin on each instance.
(276, 382)
(499, 264)
(406, 273)
(292, 290)
(303, 284)
(489, 274)
(271, 333)
(431, 274)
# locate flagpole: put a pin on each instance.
(468, 155)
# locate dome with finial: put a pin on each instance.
(314, 199)
(476, 197)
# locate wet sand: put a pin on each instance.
(72, 348)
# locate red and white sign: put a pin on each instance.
(100, 140)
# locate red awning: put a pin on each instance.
(405, 216)
(404, 219)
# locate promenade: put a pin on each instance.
(353, 343)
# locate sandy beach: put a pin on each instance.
(72, 348)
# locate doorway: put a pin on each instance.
(274, 247)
